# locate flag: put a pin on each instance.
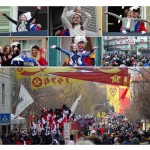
(124, 93)
(113, 96)
(119, 97)
(38, 82)
(24, 100)
(75, 105)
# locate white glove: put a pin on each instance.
(95, 47)
(124, 31)
(53, 46)
(79, 62)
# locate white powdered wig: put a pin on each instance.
(78, 39)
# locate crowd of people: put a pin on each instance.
(46, 129)
(11, 55)
(117, 131)
(117, 59)
(113, 129)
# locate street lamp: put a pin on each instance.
(96, 105)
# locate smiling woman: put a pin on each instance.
(74, 23)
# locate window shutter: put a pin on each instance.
(54, 55)
(92, 28)
(5, 24)
(4, 41)
(56, 21)
(98, 42)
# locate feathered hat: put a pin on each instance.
(16, 44)
(79, 39)
(135, 8)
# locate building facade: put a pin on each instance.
(121, 45)
(5, 97)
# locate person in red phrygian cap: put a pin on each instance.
(44, 117)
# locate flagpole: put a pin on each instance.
(11, 84)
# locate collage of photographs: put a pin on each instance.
(74, 75)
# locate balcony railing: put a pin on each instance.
(128, 34)
(29, 33)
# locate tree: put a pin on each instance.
(140, 100)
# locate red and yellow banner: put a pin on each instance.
(116, 76)
(124, 99)
(27, 72)
(38, 82)
(119, 97)
(113, 97)
(104, 70)
(120, 78)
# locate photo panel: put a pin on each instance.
(75, 21)
(127, 51)
(74, 51)
(23, 21)
(23, 51)
(126, 20)
(42, 96)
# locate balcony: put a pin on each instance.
(29, 33)
(121, 34)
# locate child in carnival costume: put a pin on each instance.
(34, 26)
(139, 25)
